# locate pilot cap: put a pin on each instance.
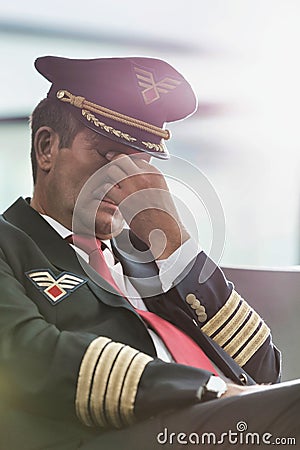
(128, 100)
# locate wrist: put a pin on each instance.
(173, 243)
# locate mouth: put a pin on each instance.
(107, 200)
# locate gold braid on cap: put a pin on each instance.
(82, 103)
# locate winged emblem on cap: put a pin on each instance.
(54, 288)
(152, 89)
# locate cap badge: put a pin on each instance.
(54, 288)
(152, 89)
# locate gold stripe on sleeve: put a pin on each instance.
(98, 392)
(130, 386)
(85, 378)
(222, 315)
(254, 344)
(107, 383)
(233, 325)
(243, 335)
(115, 384)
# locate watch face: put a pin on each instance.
(214, 388)
(216, 385)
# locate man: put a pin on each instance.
(98, 349)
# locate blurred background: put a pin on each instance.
(241, 57)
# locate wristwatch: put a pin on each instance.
(214, 388)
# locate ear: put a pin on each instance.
(46, 144)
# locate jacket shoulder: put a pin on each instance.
(9, 231)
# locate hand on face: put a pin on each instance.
(90, 184)
(143, 197)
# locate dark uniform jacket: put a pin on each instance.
(76, 359)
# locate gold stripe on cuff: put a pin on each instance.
(243, 335)
(104, 367)
(233, 325)
(107, 383)
(115, 384)
(130, 386)
(252, 347)
(222, 315)
(85, 378)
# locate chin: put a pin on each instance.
(108, 225)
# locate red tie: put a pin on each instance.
(93, 247)
(183, 348)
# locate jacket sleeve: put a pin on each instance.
(203, 292)
(64, 374)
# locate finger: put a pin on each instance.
(115, 173)
(141, 155)
(140, 159)
(144, 165)
(125, 162)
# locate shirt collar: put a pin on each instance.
(65, 232)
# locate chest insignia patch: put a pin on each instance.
(55, 288)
